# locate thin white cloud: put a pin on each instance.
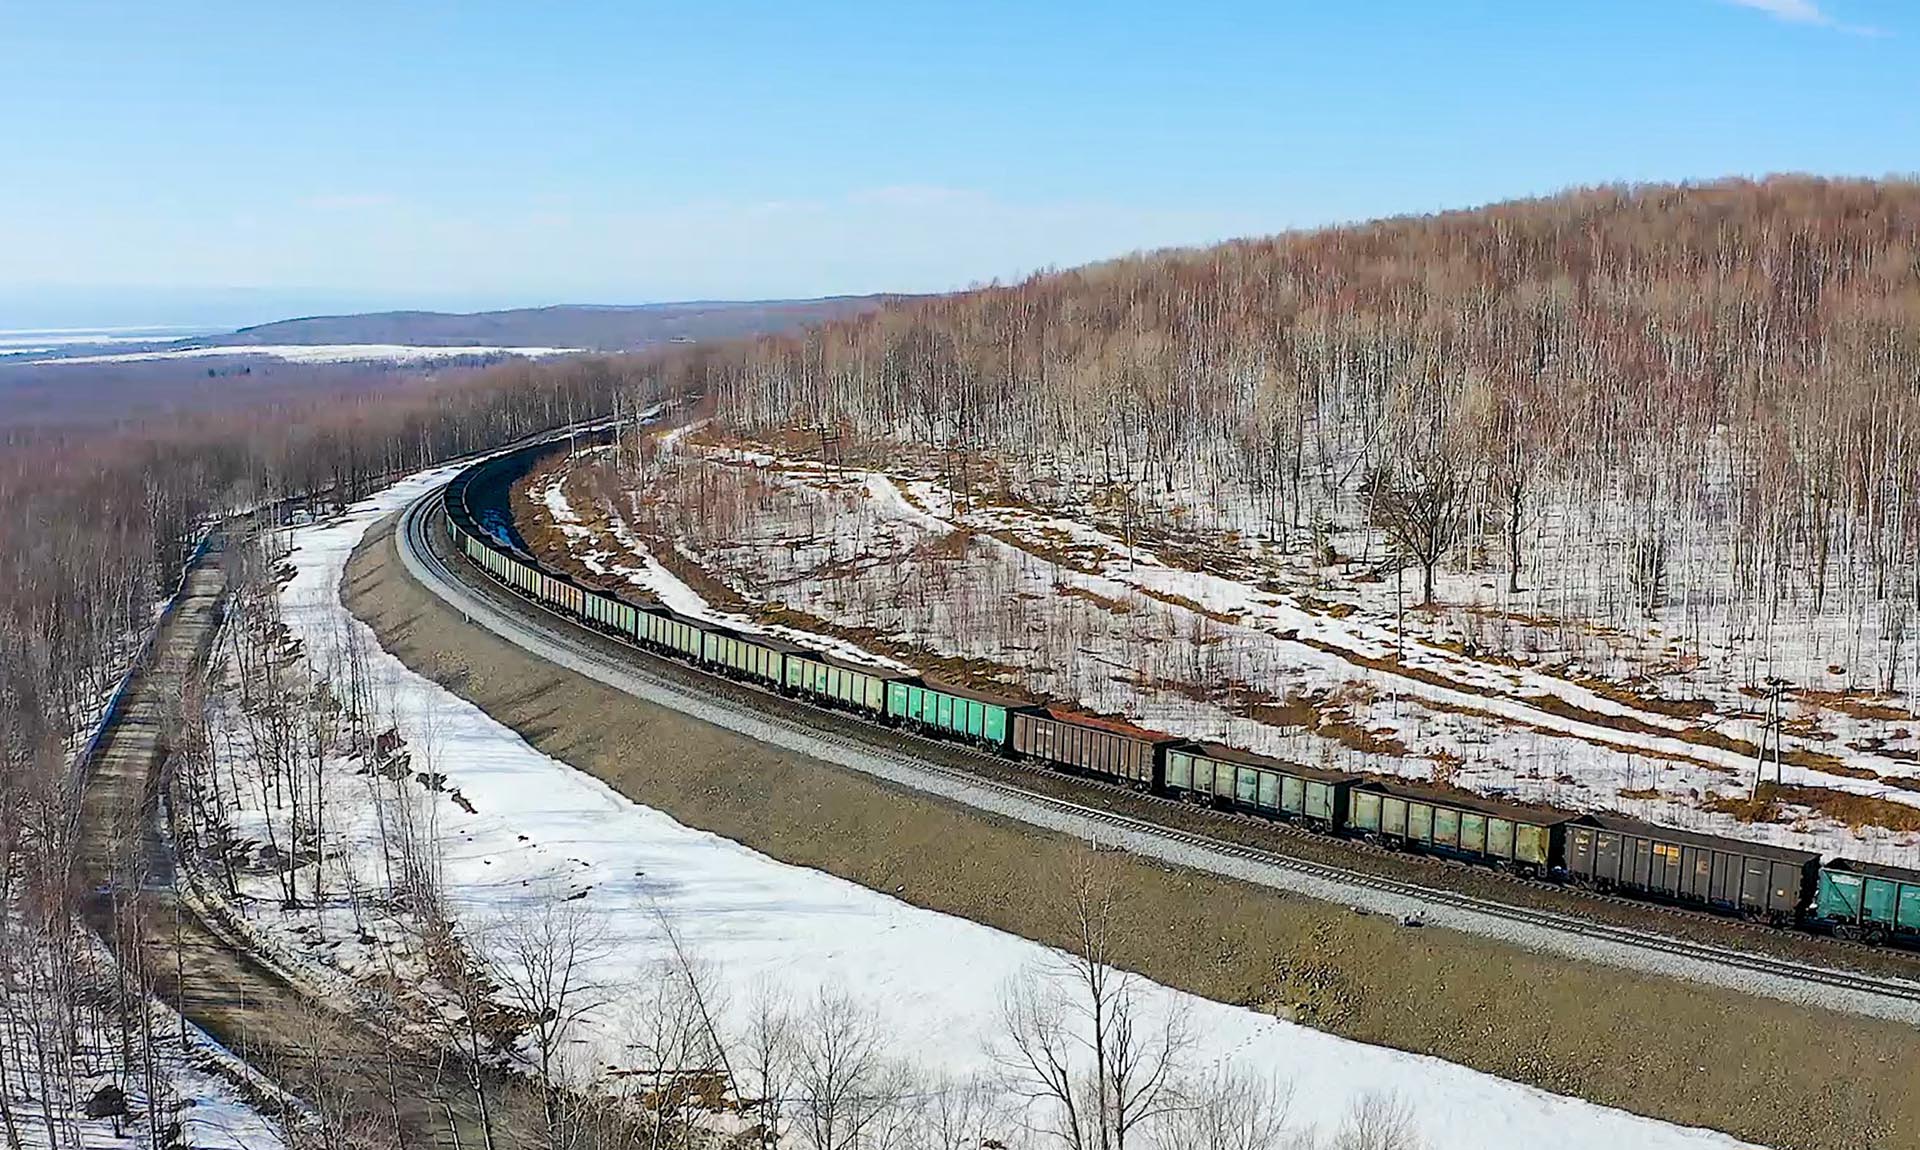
(1806, 12)
(913, 196)
(1792, 11)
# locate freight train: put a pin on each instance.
(1785, 887)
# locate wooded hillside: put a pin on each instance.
(1702, 403)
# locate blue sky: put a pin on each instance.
(226, 162)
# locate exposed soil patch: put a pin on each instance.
(1768, 1071)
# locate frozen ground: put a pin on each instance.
(1320, 668)
(62, 1044)
(197, 1094)
(537, 826)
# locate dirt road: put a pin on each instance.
(337, 1065)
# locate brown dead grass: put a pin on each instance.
(1325, 714)
(1855, 811)
(1188, 604)
(1858, 704)
(1115, 606)
(1754, 809)
(1624, 694)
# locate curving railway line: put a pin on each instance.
(771, 718)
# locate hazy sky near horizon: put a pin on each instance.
(210, 162)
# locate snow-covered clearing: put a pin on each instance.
(196, 1089)
(538, 826)
(321, 353)
(1321, 668)
(23, 340)
(627, 558)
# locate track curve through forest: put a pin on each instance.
(557, 639)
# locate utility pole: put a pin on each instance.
(1770, 727)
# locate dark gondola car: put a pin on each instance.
(1614, 852)
(1098, 746)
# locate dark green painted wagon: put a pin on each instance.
(1226, 776)
(842, 682)
(952, 710)
(1529, 839)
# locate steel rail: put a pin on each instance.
(420, 557)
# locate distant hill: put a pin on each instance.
(602, 328)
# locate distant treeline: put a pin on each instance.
(94, 523)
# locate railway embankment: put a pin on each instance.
(1774, 1072)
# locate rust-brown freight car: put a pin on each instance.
(1098, 746)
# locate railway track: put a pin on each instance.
(781, 721)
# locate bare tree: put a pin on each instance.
(1419, 509)
(965, 1114)
(677, 1074)
(850, 1094)
(1378, 1121)
(1079, 1040)
(764, 1062)
(542, 962)
(1232, 1111)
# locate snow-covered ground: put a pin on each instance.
(1325, 672)
(196, 1082)
(631, 560)
(319, 353)
(63, 1044)
(20, 341)
(538, 826)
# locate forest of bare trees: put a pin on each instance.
(1706, 398)
(95, 526)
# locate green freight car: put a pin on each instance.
(1858, 900)
(671, 632)
(612, 614)
(841, 682)
(748, 656)
(951, 710)
(1228, 777)
(1528, 839)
